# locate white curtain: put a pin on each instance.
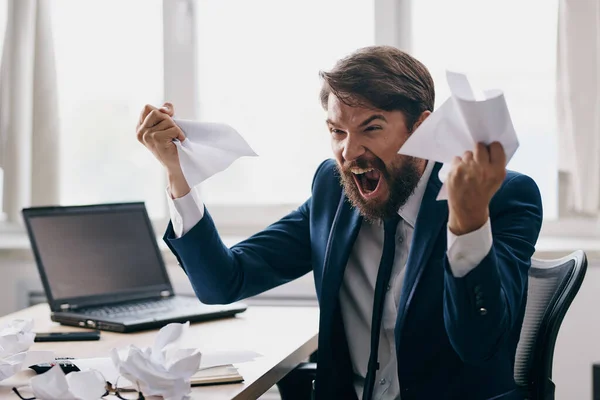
(578, 96)
(29, 131)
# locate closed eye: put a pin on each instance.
(336, 131)
(373, 128)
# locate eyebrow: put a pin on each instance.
(372, 118)
(365, 122)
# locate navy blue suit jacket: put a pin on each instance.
(456, 338)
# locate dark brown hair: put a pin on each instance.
(381, 77)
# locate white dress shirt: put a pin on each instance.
(465, 252)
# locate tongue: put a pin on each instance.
(374, 174)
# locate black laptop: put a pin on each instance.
(101, 268)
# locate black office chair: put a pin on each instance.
(553, 285)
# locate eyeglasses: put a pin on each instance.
(123, 393)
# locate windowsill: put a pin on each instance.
(15, 249)
(13, 241)
(548, 246)
(18, 243)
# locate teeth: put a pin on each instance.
(359, 171)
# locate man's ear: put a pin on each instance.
(422, 118)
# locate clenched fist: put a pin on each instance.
(472, 182)
(156, 130)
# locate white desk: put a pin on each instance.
(285, 336)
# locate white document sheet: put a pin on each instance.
(104, 365)
(208, 148)
(226, 357)
(468, 117)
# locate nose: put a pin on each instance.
(352, 148)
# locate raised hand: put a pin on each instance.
(156, 130)
(472, 182)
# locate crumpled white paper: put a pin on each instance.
(16, 336)
(10, 365)
(54, 385)
(210, 359)
(162, 370)
(208, 148)
(468, 117)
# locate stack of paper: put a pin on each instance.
(217, 374)
(206, 375)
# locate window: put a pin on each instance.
(109, 60)
(258, 71)
(3, 12)
(510, 45)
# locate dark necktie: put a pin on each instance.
(383, 277)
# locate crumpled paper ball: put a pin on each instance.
(16, 337)
(162, 370)
(54, 385)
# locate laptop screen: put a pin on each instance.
(88, 251)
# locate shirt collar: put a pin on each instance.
(410, 209)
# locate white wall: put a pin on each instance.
(17, 272)
(578, 343)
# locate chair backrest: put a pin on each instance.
(553, 285)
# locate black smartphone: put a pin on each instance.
(66, 336)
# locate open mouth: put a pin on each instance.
(368, 181)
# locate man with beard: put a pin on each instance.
(419, 299)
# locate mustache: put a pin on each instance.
(363, 163)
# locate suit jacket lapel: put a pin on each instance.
(433, 215)
(334, 359)
(342, 236)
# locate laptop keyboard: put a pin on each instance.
(151, 307)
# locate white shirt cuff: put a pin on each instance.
(465, 252)
(185, 211)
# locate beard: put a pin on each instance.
(401, 177)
